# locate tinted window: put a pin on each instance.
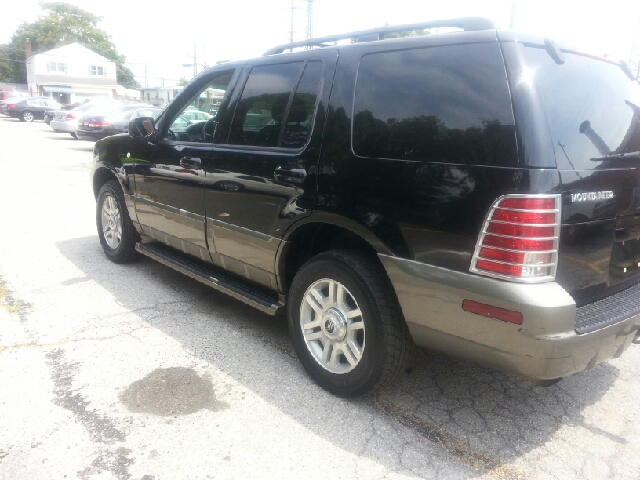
(299, 118)
(441, 104)
(262, 106)
(591, 108)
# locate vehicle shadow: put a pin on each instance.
(482, 417)
(83, 147)
(60, 136)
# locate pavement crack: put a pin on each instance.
(70, 342)
(488, 465)
(116, 462)
(99, 427)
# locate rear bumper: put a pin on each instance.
(546, 345)
(69, 127)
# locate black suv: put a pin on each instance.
(474, 192)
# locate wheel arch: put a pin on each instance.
(101, 176)
(320, 233)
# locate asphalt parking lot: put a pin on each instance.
(137, 372)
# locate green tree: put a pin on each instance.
(63, 24)
(406, 33)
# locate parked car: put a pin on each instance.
(30, 108)
(194, 116)
(94, 126)
(4, 104)
(50, 114)
(425, 189)
(209, 108)
(64, 120)
(7, 94)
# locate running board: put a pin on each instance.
(221, 281)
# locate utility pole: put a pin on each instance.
(309, 19)
(195, 65)
(204, 56)
(514, 7)
(292, 8)
(145, 73)
(634, 58)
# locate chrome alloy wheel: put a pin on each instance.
(332, 326)
(111, 222)
(27, 116)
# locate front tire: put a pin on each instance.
(346, 324)
(27, 116)
(117, 234)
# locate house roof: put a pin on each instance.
(77, 51)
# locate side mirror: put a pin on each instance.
(142, 127)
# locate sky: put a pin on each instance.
(163, 34)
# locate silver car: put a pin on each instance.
(67, 120)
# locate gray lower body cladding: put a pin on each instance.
(545, 346)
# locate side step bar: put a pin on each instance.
(223, 282)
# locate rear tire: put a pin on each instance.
(117, 234)
(27, 116)
(346, 324)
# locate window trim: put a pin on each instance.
(305, 61)
(97, 69)
(56, 69)
(170, 114)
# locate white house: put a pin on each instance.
(71, 74)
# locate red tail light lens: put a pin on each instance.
(11, 106)
(519, 239)
(517, 243)
(70, 116)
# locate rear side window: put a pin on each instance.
(277, 105)
(591, 108)
(440, 104)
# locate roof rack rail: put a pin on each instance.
(465, 23)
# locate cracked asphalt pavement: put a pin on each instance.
(138, 372)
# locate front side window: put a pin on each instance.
(277, 106)
(193, 122)
(446, 104)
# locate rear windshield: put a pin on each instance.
(591, 108)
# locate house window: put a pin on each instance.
(55, 67)
(96, 70)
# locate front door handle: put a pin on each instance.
(190, 162)
(290, 175)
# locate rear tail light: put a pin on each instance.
(99, 124)
(11, 106)
(519, 239)
(70, 116)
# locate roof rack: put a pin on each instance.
(465, 23)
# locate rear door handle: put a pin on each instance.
(293, 175)
(190, 162)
